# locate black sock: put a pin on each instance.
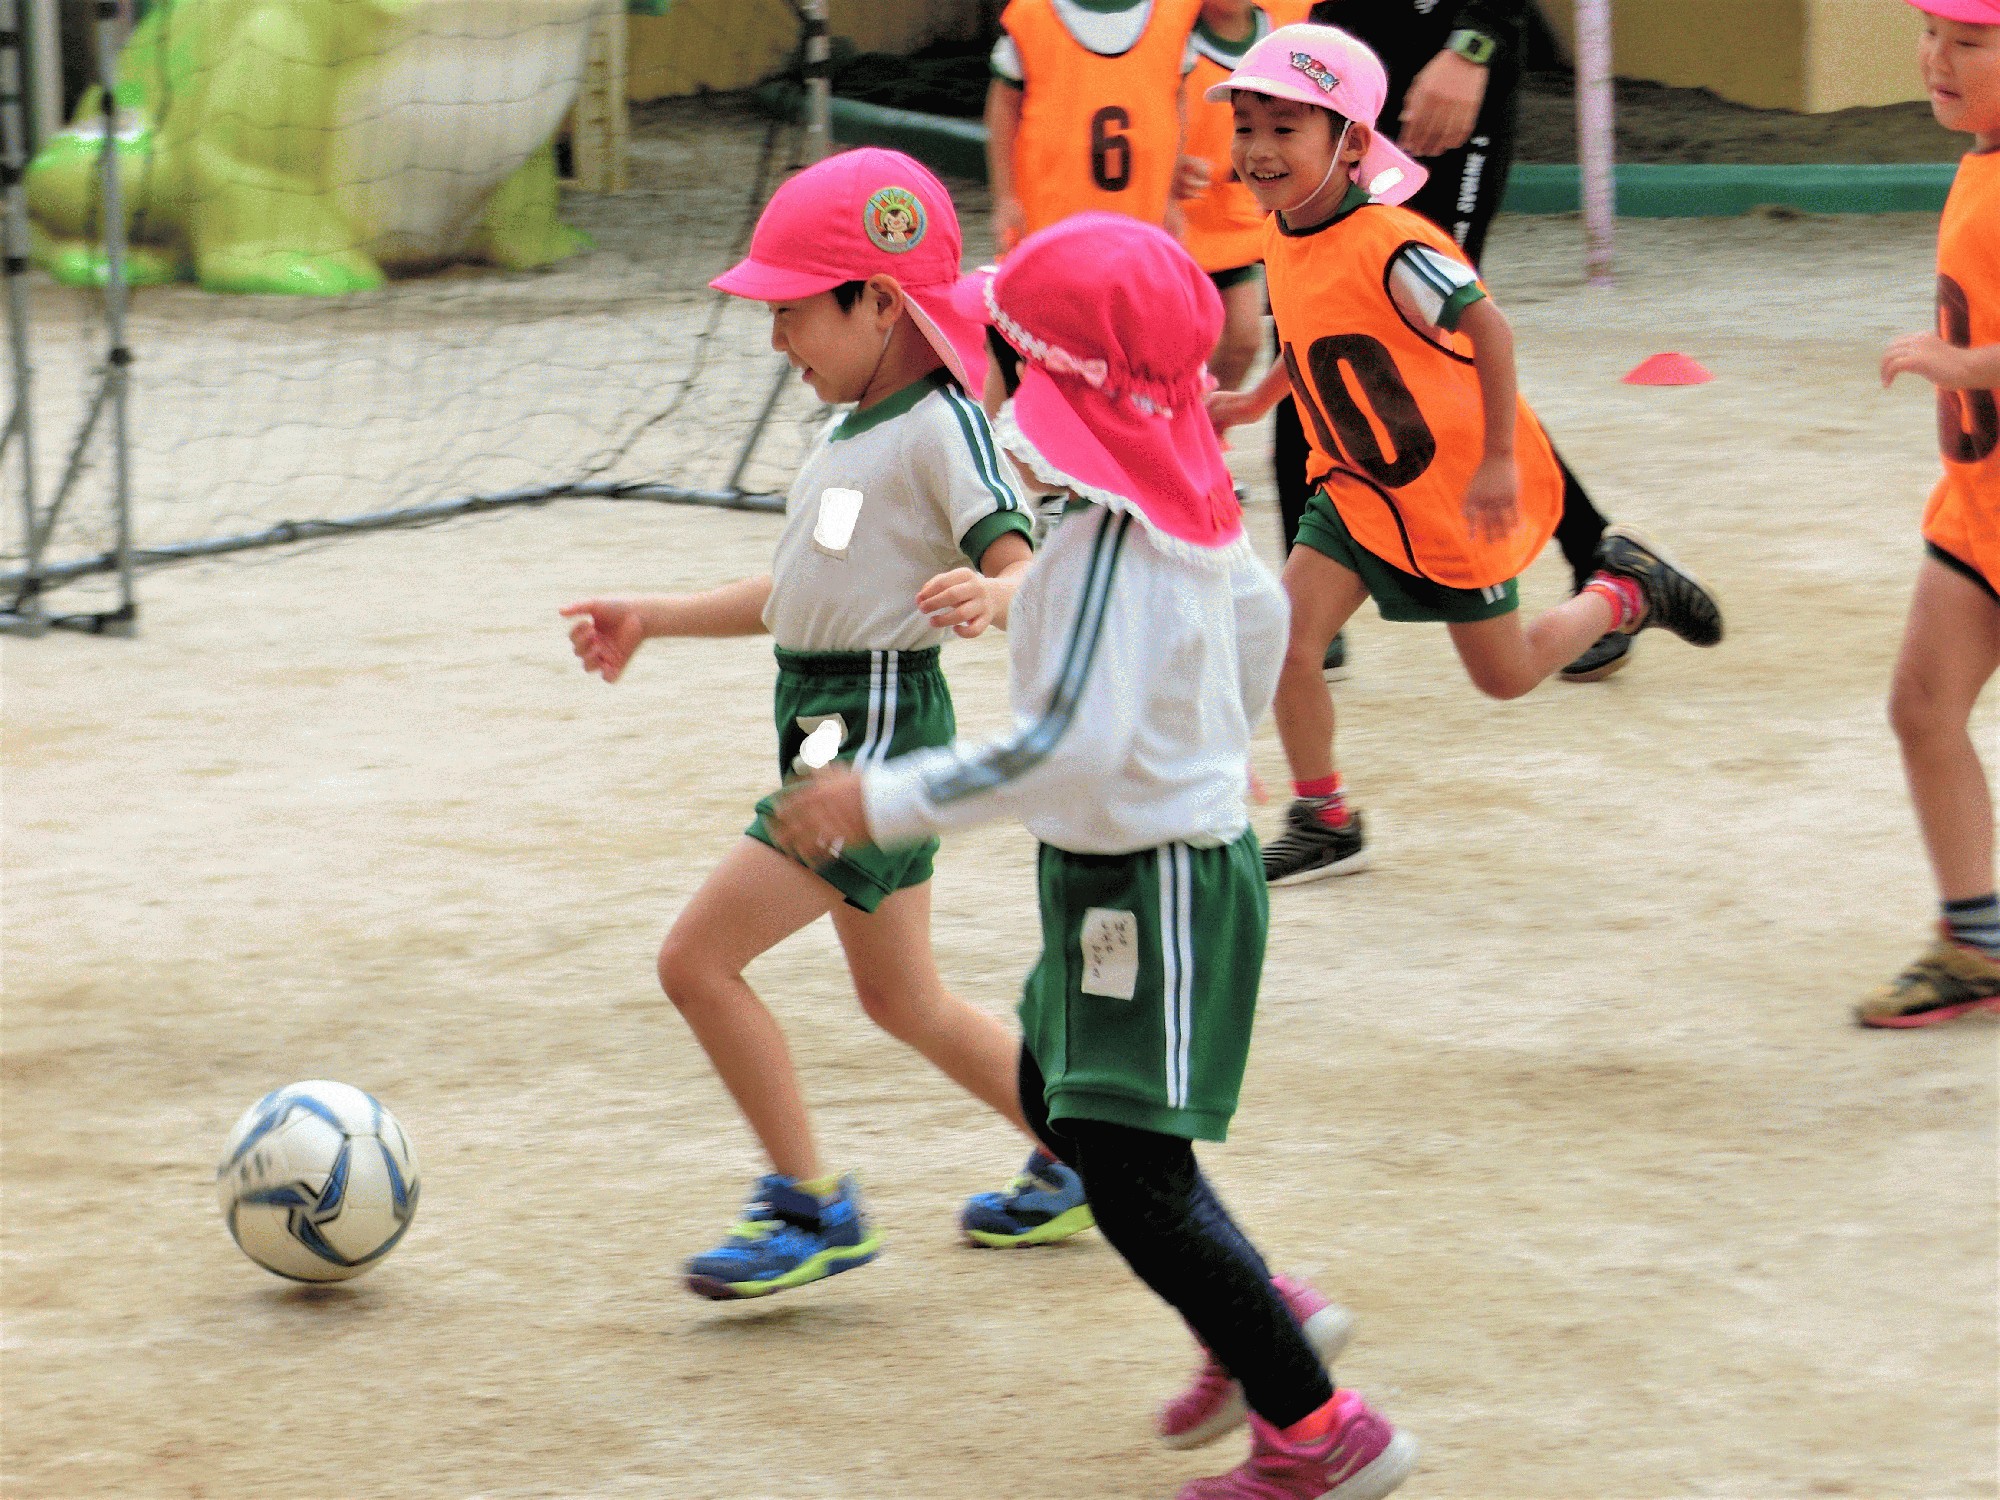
(1975, 922)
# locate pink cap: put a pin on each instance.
(1973, 12)
(1325, 67)
(860, 214)
(1114, 322)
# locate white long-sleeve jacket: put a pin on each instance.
(1140, 666)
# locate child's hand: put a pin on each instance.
(957, 600)
(1192, 176)
(1010, 223)
(1492, 499)
(1227, 409)
(606, 633)
(1944, 365)
(816, 818)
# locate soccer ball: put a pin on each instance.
(318, 1181)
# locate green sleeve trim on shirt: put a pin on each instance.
(989, 529)
(1456, 304)
(1000, 77)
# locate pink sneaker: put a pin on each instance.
(1213, 1403)
(1363, 1458)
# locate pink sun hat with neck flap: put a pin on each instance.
(1972, 12)
(1113, 321)
(1327, 68)
(860, 214)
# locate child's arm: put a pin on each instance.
(1003, 124)
(1227, 409)
(1077, 710)
(1492, 497)
(1948, 366)
(608, 631)
(968, 602)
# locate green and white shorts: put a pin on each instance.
(1140, 1007)
(885, 703)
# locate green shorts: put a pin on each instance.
(887, 703)
(1399, 595)
(1234, 276)
(1139, 1009)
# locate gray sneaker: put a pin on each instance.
(1676, 600)
(1310, 850)
(1609, 653)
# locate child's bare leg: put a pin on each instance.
(1242, 332)
(1324, 597)
(896, 978)
(1506, 659)
(1951, 648)
(754, 900)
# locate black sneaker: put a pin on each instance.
(1608, 654)
(1676, 600)
(1309, 850)
(1335, 664)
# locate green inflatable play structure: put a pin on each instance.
(310, 146)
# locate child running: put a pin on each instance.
(857, 257)
(1224, 225)
(1437, 485)
(1085, 110)
(1144, 645)
(1951, 645)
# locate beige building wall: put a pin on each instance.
(731, 44)
(1807, 55)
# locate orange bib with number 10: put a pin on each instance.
(1097, 132)
(1964, 513)
(1391, 405)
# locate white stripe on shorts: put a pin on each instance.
(1185, 927)
(1170, 963)
(874, 708)
(889, 671)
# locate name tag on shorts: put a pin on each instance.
(1110, 942)
(824, 736)
(833, 527)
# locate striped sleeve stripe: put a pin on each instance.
(1445, 276)
(1020, 753)
(972, 422)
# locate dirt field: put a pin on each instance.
(1562, 1098)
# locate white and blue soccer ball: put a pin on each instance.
(318, 1181)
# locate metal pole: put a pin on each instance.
(118, 357)
(819, 82)
(20, 418)
(1594, 135)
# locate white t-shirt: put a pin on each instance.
(934, 495)
(1138, 674)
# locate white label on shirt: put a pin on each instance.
(833, 528)
(1110, 942)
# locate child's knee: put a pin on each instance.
(684, 970)
(900, 1010)
(1916, 711)
(1501, 680)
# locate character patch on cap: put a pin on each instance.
(1316, 70)
(894, 220)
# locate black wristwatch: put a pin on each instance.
(1474, 46)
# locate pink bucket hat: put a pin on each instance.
(1973, 12)
(1114, 321)
(859, 214)
(1325, 67)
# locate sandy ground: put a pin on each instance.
(1562, 1098)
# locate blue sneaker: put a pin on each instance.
(1042, 1205)
(786, 1238)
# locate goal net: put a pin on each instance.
(611, 372)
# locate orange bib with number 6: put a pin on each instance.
(1963, 517)
(1391, 404)
(1097, 132)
